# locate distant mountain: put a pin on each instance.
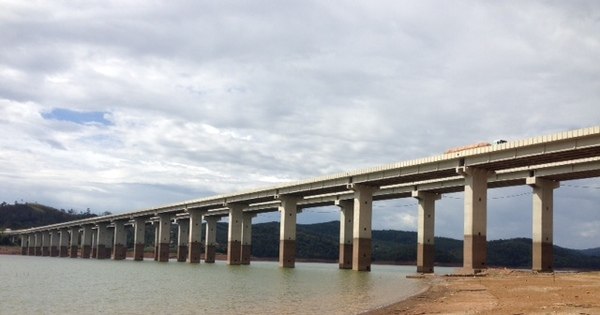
(591, 251)
(26, 215)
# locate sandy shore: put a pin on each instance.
(504, 291)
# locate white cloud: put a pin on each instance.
(218, 97)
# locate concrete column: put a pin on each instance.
(63, 248)
(139, 235)
(23, 244)
(102, 241)
(37, 238)
(234, 234)
(195, 236)
(45, 244)
(164, 237)
(74, 242)
(362, 228)
(119, 251)
(246, 237)
(94, 243)
(54, 241)
(543, 217)
(86, 241)
(346, 226)
(30, 244)
(287, 231)
(211, 238)
(426, 231)
(475, 219)
(156, 238)
(183, 236)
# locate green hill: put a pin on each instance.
(26, 215)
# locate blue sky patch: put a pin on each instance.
(77, 117)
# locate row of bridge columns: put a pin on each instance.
(355, 247)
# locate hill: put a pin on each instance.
(26, 215)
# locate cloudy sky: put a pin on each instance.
(133, 104)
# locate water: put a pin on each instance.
(48, 285)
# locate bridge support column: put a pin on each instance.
(120, 241)
(139, 235)
(247, 238)
(30, 244)
(543, 209)
(45, 244)
(86, 241)
(426, 231)
(183, 236)
(234, 235)
(194, 236)
(211, 239)
(475, 225)
(23, 244)
(63, 249)
(164, 237)
(346, 226)
(74, 242)
(94, 243)
(156, 238)
(361, 231)
(102, 241)
(54, 241)
(287, 231)
(37, 238)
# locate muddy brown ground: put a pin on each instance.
(503, 291)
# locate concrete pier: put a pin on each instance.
(139, 235)
(287, 231)
(234, 234)
(164, 237)
(63, 243)
(119, 251)
(362, 229)
(54, 241)
(94, 243)
(30, 244)
(183, 236)
(37, 239)
(156, 238)
(543, 217)
(74, 242)
(24, 244)
(86, 241)
(211, 239)
(102, 241)
(426, 231)
(195, 236)
(346, 226)
(45, 244)
(475, 219)
(246, 238)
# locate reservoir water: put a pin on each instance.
(49, 285)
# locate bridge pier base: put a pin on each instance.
(362, 228)
(74, 242)
(234, 235)
(543, 204)
(120, 241)
(246, 252)
(139, 234)
(86, 241)
(63, 249)
(23, 244)
(211, 239)
(287, 231)
(102, 239)
(346, 226)
(38, 244)
(194, 236)
(426, 231)
(183, 236)
(45, 244)
(475, 219)
(164, 237)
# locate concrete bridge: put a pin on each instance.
(541, 163)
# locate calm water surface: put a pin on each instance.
(48, 285)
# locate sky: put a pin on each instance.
(124, 105)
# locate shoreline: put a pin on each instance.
(503, 291)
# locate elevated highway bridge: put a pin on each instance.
(540, 162)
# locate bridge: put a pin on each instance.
(541, 163)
